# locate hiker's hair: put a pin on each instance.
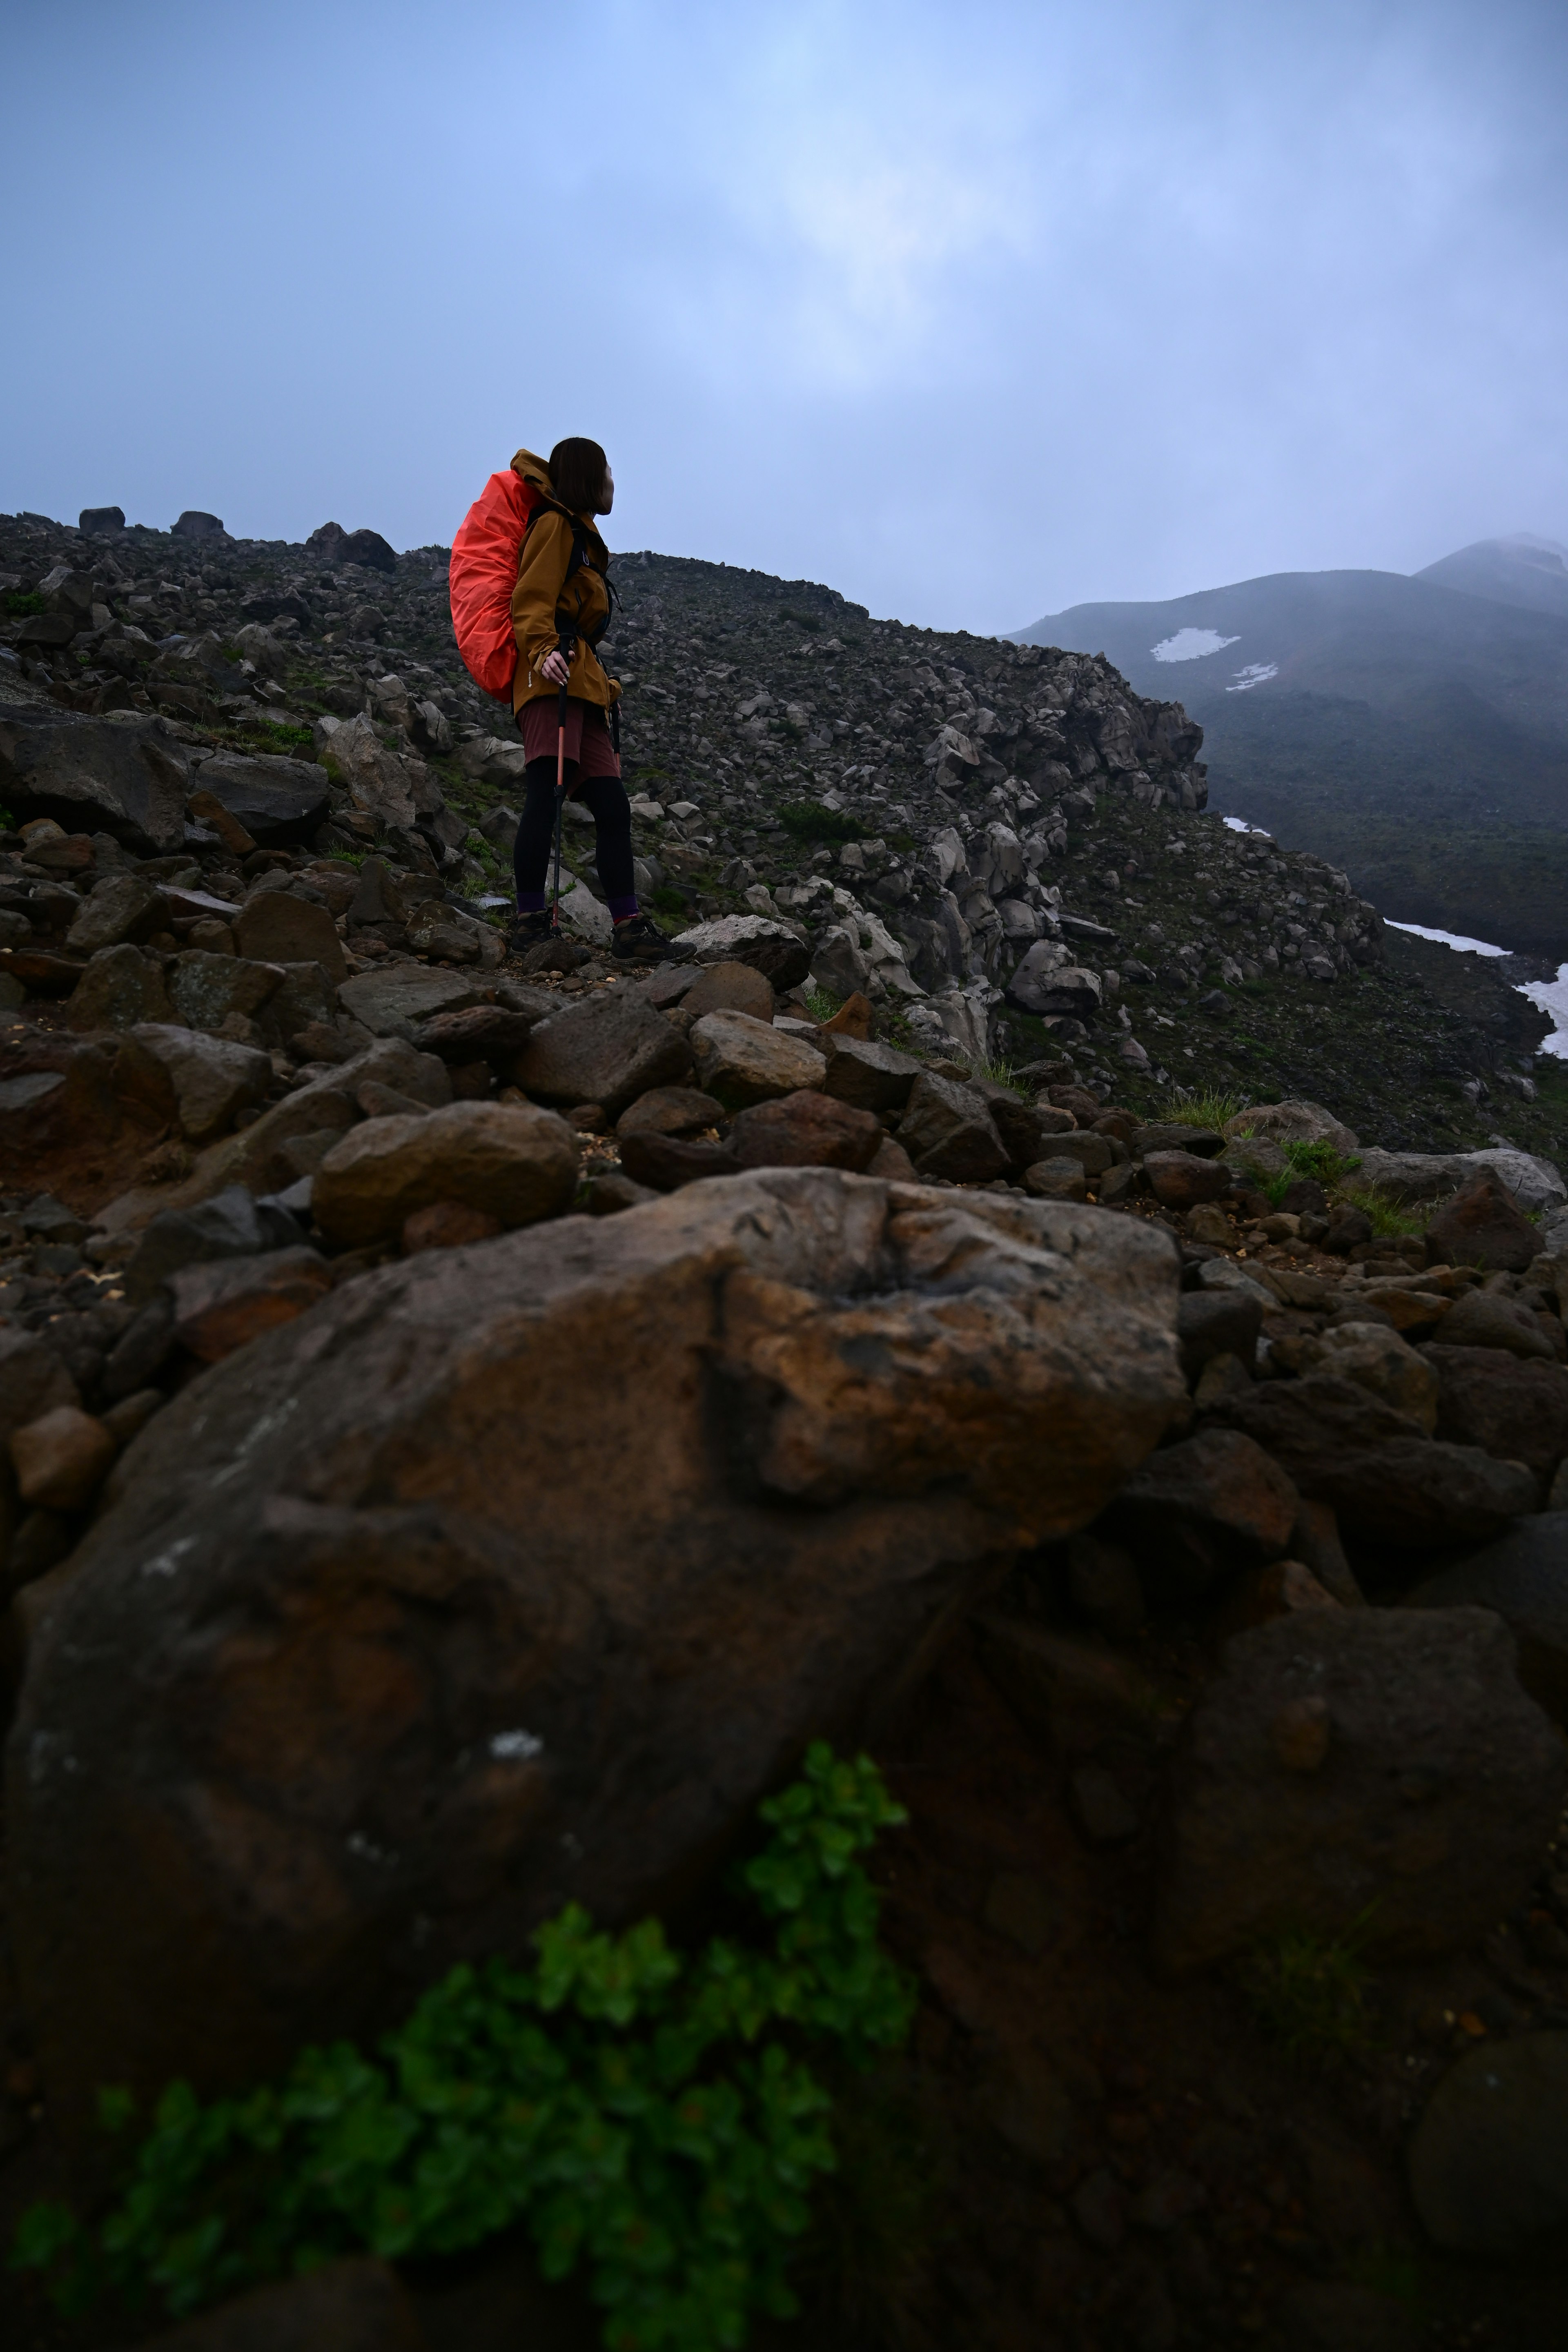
(577, 470)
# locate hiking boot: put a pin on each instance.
(529, 931)
(639, 941)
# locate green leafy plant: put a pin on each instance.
(24, 604)
(809, 821)
(1309, 1991)
(667, 900)
(649, 2115)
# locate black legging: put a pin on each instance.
(605, 796)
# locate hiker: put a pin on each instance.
(560, 609)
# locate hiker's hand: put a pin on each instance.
(553, 666)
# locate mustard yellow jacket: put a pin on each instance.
(542, 589)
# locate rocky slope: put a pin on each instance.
(467, 1425)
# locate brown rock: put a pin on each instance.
(1180, 1180)
(1199, 1142)
(1384, 1477)
(206, 808)
(482, 1032)
(806, 1130)
(1218, 1323)
(1073, 1692)
(61, 1459)
(274, 928)
(448, 1225)
(1262, 1594)
(1085, 1108)
(854, 1018)
(743, 1061)
(33, 1380)
(226, 1304)
(1378, 1361)
(663, 1162)
(1301, 1731)
(1482, 1225)
(1057, 1179)
(510, 1160)
(730, 988)
(892, 1162)
(671, 1110)
(1201, 1509)
(509, 1577)
(1425, 1822)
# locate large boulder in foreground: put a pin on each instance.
(515, 1574)
(126, 775)
(1377, 1771)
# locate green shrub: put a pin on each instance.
(24, 604)
(667, 900)
(809, 821)
(650, 2115)
(821, 1004)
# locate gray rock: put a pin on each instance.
(279, 802)
(441, 1710)
(195, 524)
(1481, 1319)
(100, 522)
(839, 964)
(123, 775)
(1384, 1477)
(399, 995)
(119, 988)
(607, 1049)
(1044, 985)
(377, 901)
(1057, 1179)
(948, 1130)
(306, 997)
(1426, 1821)
(491, 759)
(200, 1082)
(231, 1224)
(207, 989)
(33, 1380)
(1416, 1176)
(1524, 1576)
(124, 907)
(1489, 2159)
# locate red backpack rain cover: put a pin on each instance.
(485, 554)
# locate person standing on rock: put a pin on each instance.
(560, 609)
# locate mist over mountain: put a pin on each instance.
(1521, 570)
(1417, 729)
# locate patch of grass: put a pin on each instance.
(809, 821)
(669, 901)
(1309, 1991)
(821, 1004)
(24, 604)
(1388, 1216)
(1199, 1106)
(1001, 1074)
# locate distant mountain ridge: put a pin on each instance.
(1414, 727)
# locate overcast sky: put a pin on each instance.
(972, 312)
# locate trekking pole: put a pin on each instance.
(563, 648)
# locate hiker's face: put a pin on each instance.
(607, 495)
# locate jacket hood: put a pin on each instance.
(533, 469)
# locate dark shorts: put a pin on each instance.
(587, 735)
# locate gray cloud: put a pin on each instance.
(973, 311)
